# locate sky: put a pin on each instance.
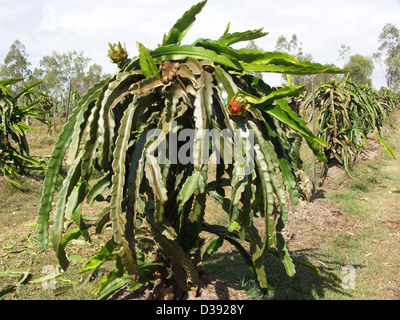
(44, 26)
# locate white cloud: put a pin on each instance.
(83, 25)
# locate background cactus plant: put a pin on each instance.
(14, 150)
(346, 114)
(157, 209)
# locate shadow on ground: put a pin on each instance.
(304, 285)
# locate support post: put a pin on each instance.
(69, 99)
(313, 116)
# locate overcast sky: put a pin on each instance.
(83, 25)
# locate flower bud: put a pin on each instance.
(117, 54)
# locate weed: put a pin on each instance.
(363, 180)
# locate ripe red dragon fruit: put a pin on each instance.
(237, 105)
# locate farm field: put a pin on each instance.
(350, 223)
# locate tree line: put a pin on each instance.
(63, 75)
(66, 75)
(360, 66)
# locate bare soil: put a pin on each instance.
(313, 222)
(211, 289)
(309, 223)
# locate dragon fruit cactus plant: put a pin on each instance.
(153, 211)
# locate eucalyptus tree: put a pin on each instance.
(344, 52)
(63, 73)
(360, 69)
(16, 64)
(389, 51)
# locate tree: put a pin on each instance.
(64, 73)
(389, 51)
(361, 68)
(319, 78)
(344, 51)
(252, 45)
(58, 70)
(92, 76)
(294, 47)
(16, 64)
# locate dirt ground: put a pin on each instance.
(212, 289)
(309, 223)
